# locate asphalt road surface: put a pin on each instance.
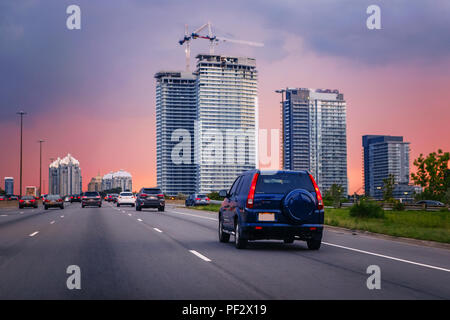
(125, 254)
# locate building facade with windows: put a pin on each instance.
(119, 179)
(227, 120)
(384, 156)
(96, 184)
(175, 118)
(314, 135)
(65, 176)
(9, 185)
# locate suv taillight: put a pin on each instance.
(251, 193)
(143, 195)
(160, 195)
(318, 194)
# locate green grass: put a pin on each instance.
(209, 207)
(422, 225)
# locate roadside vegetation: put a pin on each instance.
(422, 225)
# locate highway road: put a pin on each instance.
(125, 254)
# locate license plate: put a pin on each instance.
(266, 216)
(152, 198)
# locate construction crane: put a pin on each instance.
(213, 41)
(187, 41)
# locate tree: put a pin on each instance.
(2, 192)
(432, 174)
(388, 187)
(334, 194)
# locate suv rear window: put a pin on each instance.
(152, 191)
(53, 197)
(126, 194)
(91, 194)
(283, 182)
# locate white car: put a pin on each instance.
(126, 198)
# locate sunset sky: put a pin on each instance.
(91, 92)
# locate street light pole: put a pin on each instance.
(40, 166)
(21, 113)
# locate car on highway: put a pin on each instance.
(91, 198)
(3, 198)
(431, 203)
(28, 201)
(197, 200)
(53, 201)
(112, 197)
(150, 198)
(126, 198)
(281, 205)
(12, 197)
(75, 198)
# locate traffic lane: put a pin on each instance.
(10, 216)
(15, 234)
(119, 257)
(434, 259)
(344, 267)
(428, 255)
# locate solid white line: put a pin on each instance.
(388, 257)
(34, 233)
(139, 220)
(52, 222)
(200, 256)
(156, 229)
(3, 215)
(194, 215)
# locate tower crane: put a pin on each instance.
(213, 41)
(187, 41)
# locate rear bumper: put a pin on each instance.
(150, 203)
(200, 203)
(260, 231)
(126, 201)
(31, 205)
(53, 205)
(91, 202)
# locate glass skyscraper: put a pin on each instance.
(384, 155)
(314, 135)
(175, 110)
(227, 113)
(65, 176)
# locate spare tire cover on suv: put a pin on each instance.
(299, 205)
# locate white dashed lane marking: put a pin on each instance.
(156, 229)
(200, 256)
(34, 233)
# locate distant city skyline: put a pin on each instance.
(395, 79)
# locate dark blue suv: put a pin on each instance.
(283, 205)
